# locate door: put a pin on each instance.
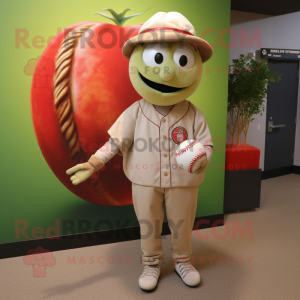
(281, 110)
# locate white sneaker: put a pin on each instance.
(149, 278)
(188, 274)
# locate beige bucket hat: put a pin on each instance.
(168, 27)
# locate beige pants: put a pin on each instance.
(181, 204)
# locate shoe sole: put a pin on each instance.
(149, 291)
(191, 286)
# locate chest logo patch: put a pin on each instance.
(179, 134)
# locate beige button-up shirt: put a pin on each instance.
(148, 141)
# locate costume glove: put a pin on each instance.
(84, 171)
(202, 167)
(204, 164)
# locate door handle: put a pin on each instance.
(271, 126)
(277, 126)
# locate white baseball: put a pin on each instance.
(189, 155)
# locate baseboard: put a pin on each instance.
(21, 248)
(296, 170)
(277, 172)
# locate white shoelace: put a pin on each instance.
(150, 271)
(185, 267)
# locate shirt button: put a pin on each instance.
(165, 155)
(164, 137)
(164, 120)
(166, 174)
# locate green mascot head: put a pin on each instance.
(165, 59)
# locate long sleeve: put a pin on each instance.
(108, 151)
(122, 131)
(209, 151)
(202, 133)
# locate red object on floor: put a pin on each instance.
(241, 157)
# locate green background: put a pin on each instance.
(29, 189)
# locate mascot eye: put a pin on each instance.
(184, 56)
(159, 58)
(154, 54)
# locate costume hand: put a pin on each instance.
(202, 167)
(85, 170)
(82, 172)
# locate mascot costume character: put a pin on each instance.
(165, 60)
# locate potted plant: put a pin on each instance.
(247, 87)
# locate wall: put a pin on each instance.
(277, 32)
(238, 17)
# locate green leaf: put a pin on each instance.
(119, 19)
(247, 90)
(107, 16)
(131, 16)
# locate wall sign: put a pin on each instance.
(283, 54)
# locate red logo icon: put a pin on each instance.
(179, 134)
(39, 258)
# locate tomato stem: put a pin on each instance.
(119, 19)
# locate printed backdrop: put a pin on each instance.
(32, 198)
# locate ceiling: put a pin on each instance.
(266, 7)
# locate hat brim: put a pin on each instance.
(168, 36)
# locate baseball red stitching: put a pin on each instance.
(194, 160)
(186, 148)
